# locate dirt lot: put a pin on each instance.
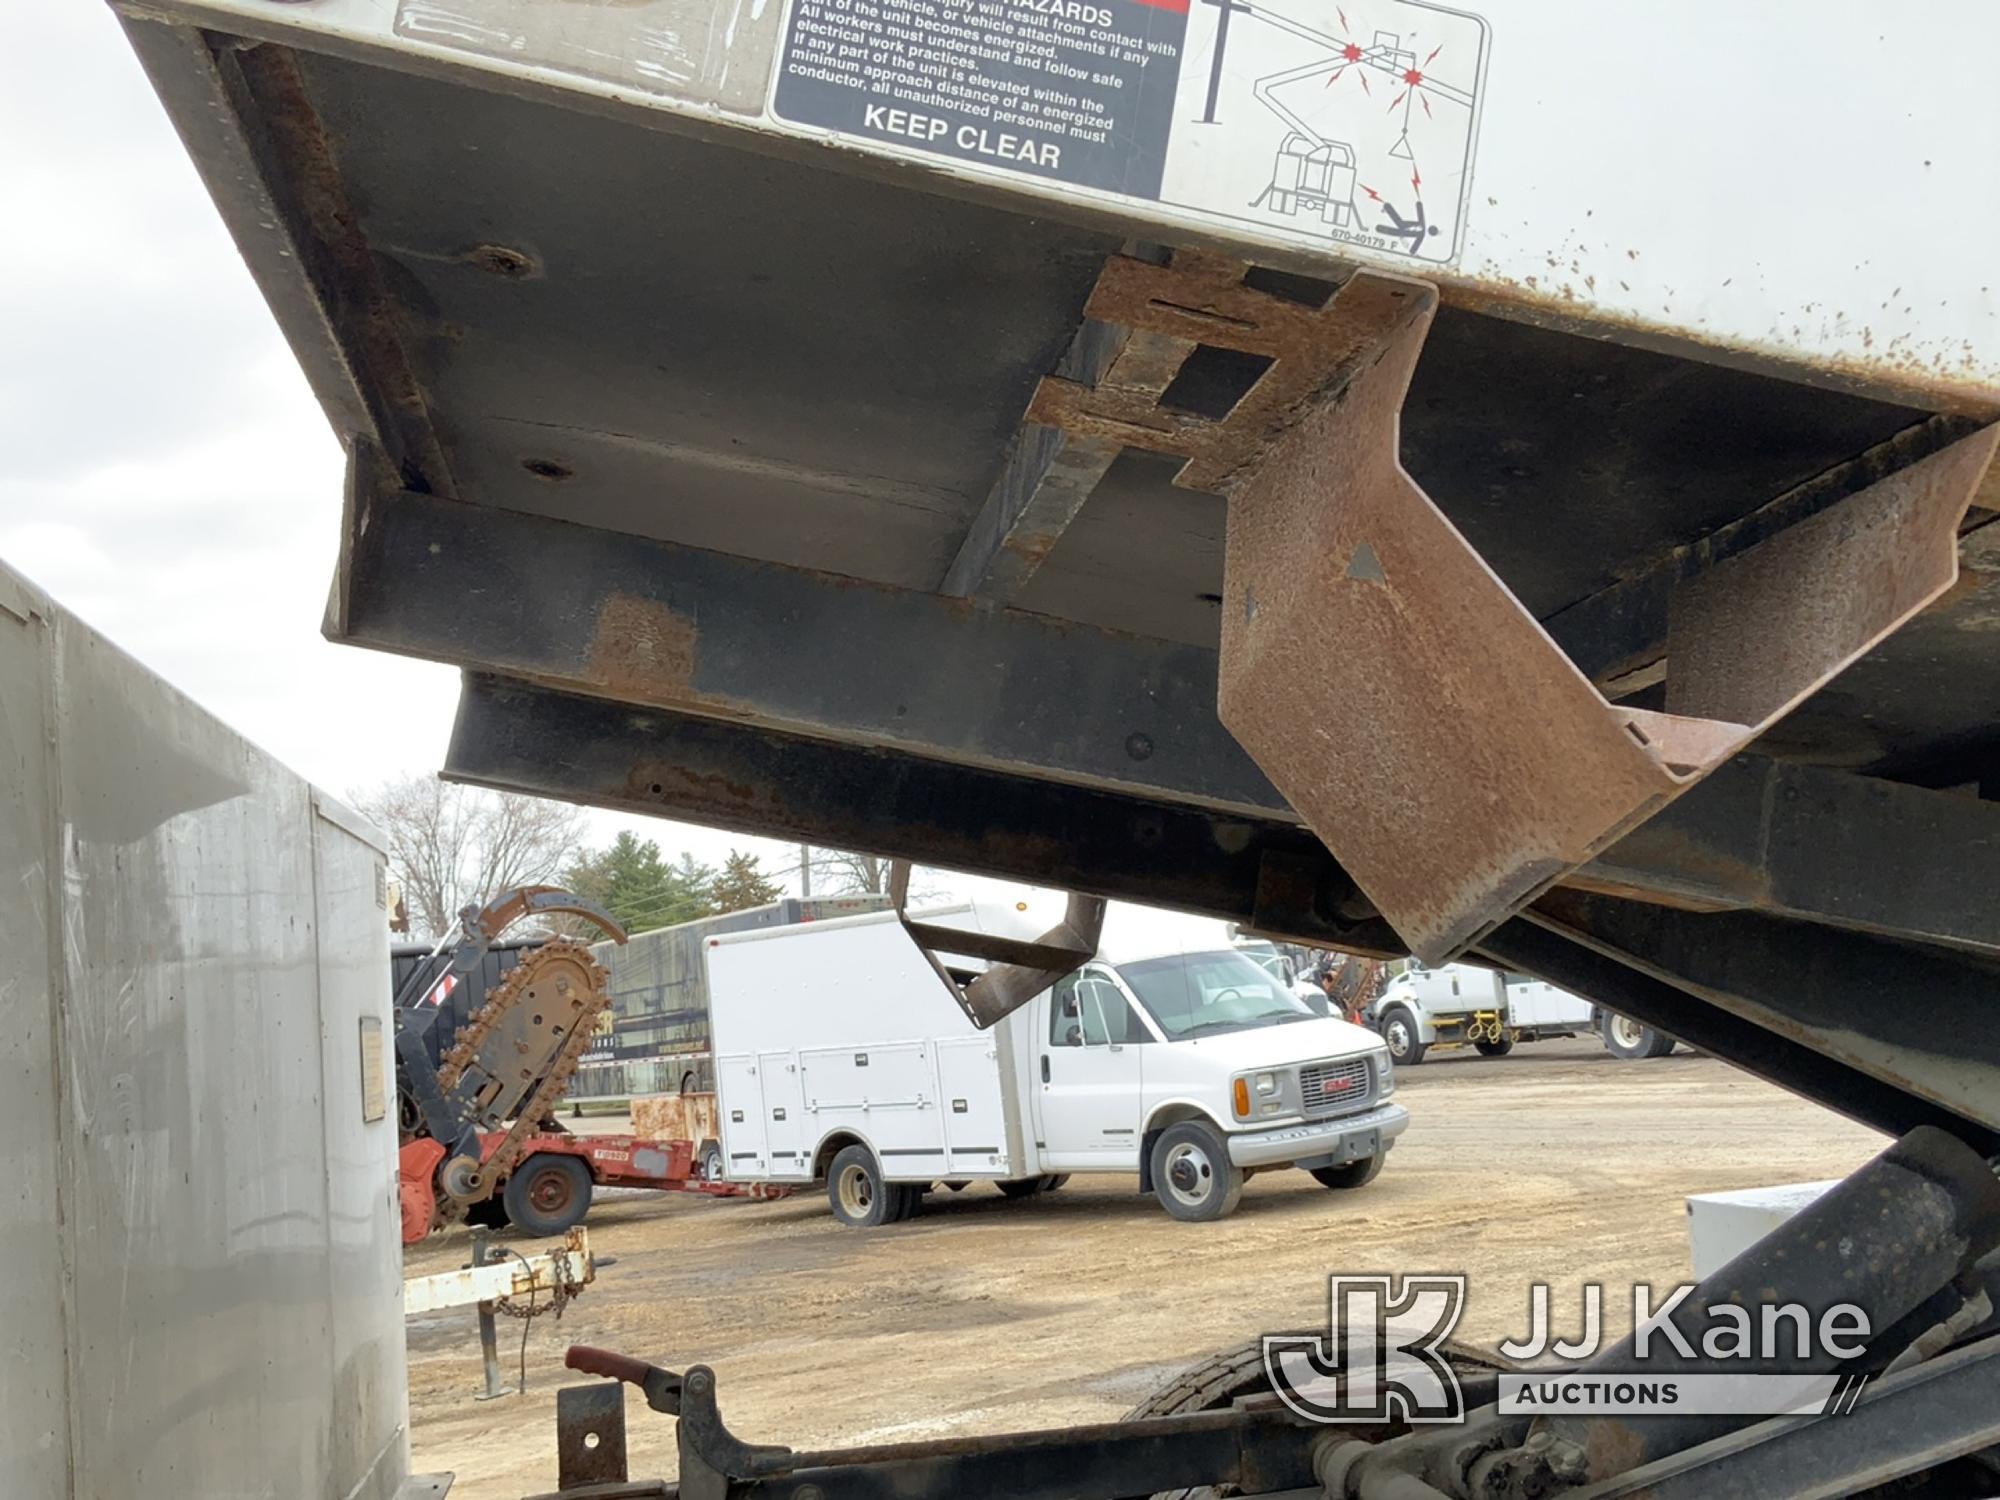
(1556, 1163)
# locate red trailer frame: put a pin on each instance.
(626, 1161)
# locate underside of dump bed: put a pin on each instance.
(768, 476)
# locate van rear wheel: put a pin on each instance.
(859, 1196)
(1633, 1040)
(1193, 1176)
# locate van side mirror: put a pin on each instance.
(1073, 1037)
(1069, 1005)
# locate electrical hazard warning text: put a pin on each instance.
(1079, 91)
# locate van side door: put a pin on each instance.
(1089, 1076)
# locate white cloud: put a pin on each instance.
(168, 476)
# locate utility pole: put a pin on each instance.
(805, 872)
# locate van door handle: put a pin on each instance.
(1045, 1067)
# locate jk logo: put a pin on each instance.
(1381, 1360)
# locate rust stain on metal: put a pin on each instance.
(364, 314)
(642, 650)
(1449, 754)
(678, 787)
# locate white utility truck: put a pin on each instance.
(841, 1058)
(1453, 1005)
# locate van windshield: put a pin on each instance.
(1196, 994)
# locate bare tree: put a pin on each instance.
(842, 872)
(456, 845)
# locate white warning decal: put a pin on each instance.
(1351, 121)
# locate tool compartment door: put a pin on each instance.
(975, 1124)
(741, 1091)
(886, 1092)
(784, 1115)
(1533, 1002)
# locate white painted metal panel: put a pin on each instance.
(853, 1003)
(1721, 1226)
(1535, 1002)
(221, 1205)
(740, 1103)
(788, 1132)
(34, 1417)
(369, 1354)
(971, 1105)
(1797, 182)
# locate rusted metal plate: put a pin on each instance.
(1428, 729)
(590, 1434)
(1017, 969)
(1749, 638)
(1201, 299)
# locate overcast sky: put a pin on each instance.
(167, 475)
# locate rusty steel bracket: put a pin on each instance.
(1200, 298)
(1423, 723)
(1019, 969)
(590, 1435)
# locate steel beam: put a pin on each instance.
(1848, 851)
(1269, 874)
(611, 615)
(1550, 953)
(1920, 1020)
(1914, 1420)
(1617, 637)
(649, 622)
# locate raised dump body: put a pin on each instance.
(1508, 482)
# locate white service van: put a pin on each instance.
(1456, 1004)
(841, 1057)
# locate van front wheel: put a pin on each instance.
(1192, 1174)
(1405, 1042)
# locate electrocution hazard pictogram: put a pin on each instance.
(1355, 121)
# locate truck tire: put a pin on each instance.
(709, 1163)
(1405, 1042)
(1632, 1040)
(547, 1194)
(860, 1198)
(1192, 1175)
(1495, 1049)
(1230, 1375)
(1025, 1187)
(1351, 1174)
(1053, 1181)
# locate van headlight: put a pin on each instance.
(1385, 1070)
(1266, 1083)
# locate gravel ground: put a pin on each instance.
(985, 1315)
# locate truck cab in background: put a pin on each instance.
(1455, 1005)
(841, 1058)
